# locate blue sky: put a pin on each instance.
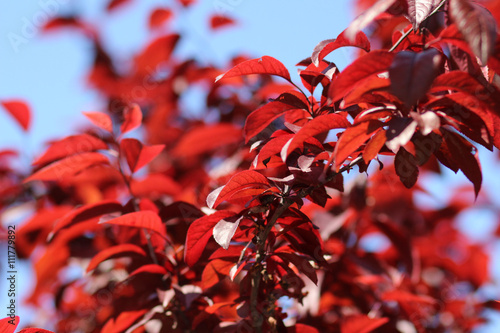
(49, 71)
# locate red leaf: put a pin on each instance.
(353, 138)
(374, 145)
(302, 264)
(150, 269)
(477, 25)
(363, 20)
(240, 181)
(6, 327)
(156, 53)
(327, 46)
(132, 118)
(70, 145)
(199, 233)
(214, 272)
(406, 297)
(219, 21)
(144, 219)
(138, 155)
(361, 324)
(412, 73)
(100, 119)
(314, 127)
(34, 330)
(155, 184)
(113, 4)
(259, 119)
(121, 250)
(159, 16)
(68, 167)
(204, 139)
(265, 65)
(372, 63)
(419, 10)
(301, 328)
(20, 111)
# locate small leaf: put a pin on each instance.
(100, 119)
(259, 119)
(138, 155)
(412, 73)
(20, 111)
(265, 65)
(113, 4)
(318, 125)
(224, 231)
(363, 20)
(116, 251)
(353, 138)
(68, 167)
(144, 219)
(220, 21)
(477, 25)
(419, 10)
(159, 17)
(132, 118)
(199, 234)
(372, 63)
(406, 167)
(6, 326)
(241, 181)
(327, 46)
(70, 145)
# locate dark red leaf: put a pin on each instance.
(314, 127)
(302, 264)
(144, 219)
(68, 167)
(363, 20)
(204, 139)
(34, 330)
(353, 138)
(138, 155)
(240, 181)
(372, 63)
(199, 233)
(220, 21)
(265, 65)
(327, 46)
(20, 111)
(132, 118)
(419, 10)
(70, 145)
(100, 119)
(116, 251)
(412, 73)
(259, 119)
(477, 25)
(159, 17)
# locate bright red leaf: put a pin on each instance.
(138, 155)
(100, 119)
(327, 46)
(259, 119)
(132, 118)
(159, 17)
(117, 251)
(220, 21)
(144, 219)
(265, 65)
(19, 110)
(361, 324)
(155, 54)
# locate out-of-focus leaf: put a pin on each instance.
(19, 110)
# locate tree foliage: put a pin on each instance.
(249, 219)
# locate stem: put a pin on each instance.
(257, 271)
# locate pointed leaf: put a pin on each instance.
(6, 326)
(70, 145)
(138, 155)
(155, 54)
(34, 330)
(265, 65)
(144, 219)
(199, 233)
(220, 21)
(159, 17)
(327, 46)
(20, 111)
(353, 138)
(100, 119)
(259, 119)
(116, 251)
(241, 181)
(412, 73)
(314, 127)
(68, 167)
(361, 324)
(372, 63)
(419, 10)
(224, 231)
(477, 25)
(132, 118)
